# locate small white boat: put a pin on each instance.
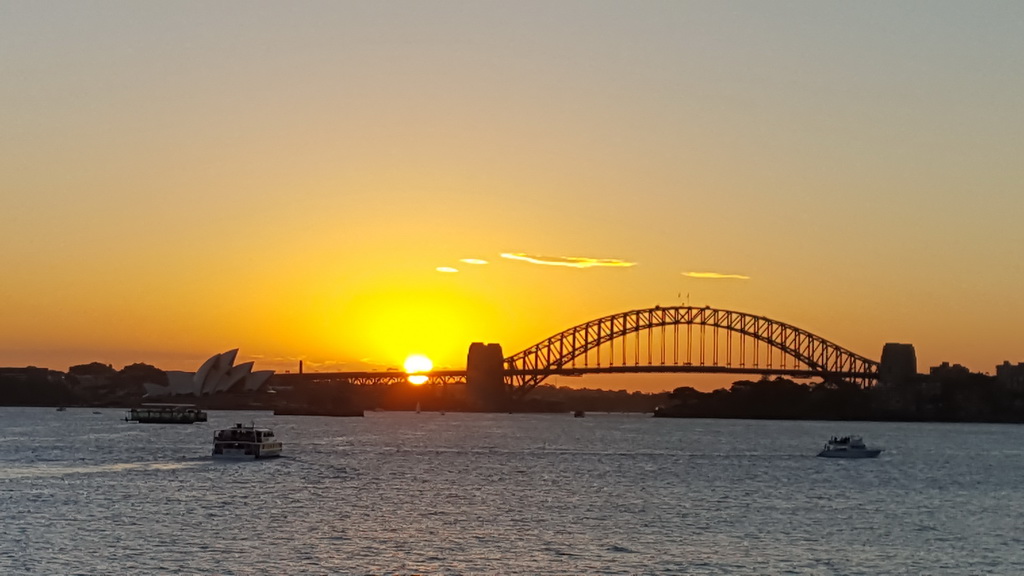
(246, 442)
(848, 447)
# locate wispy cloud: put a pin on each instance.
(570, 261)
(715, 276)
(475, 261)
(447, 269)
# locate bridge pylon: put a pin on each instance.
(485, 376)
(898, 365)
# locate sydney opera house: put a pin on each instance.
(217, 375)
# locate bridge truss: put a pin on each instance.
(686, 339)
(377, 378)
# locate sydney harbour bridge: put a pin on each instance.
(673, 339)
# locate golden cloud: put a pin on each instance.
(447, 269)
(715, 276)
(570, 261)
(473, 261)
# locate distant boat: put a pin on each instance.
(848, 447)
(97, 412)
(246, 442)
(579, 414)
(61, 409)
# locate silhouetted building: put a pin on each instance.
(898, 365)
(485, 376)
(33, 386)
(948, 372)
(31, 373)
(1010, 376)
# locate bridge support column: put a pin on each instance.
(898, 365)
(485, 377)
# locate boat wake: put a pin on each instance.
(48, 471)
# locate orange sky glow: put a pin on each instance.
(349, 184)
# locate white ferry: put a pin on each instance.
(848, 447)
(245, 442)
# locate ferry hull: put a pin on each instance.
(849, 453)
(165, 415)
(243, 454)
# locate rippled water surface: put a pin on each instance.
(404, 493)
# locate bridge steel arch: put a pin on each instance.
(751, 344)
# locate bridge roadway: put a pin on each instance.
(452, 377)
(372, 377)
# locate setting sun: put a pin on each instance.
(418, 363)
(414, 365)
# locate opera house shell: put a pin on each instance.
(217, 375)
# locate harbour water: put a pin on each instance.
(428, 493)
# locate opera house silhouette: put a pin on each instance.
(217, 375)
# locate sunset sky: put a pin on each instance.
(349, 183)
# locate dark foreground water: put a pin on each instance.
(403, 493)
